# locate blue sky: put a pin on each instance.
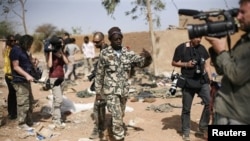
(90, 16)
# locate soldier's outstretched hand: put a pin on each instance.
(147, 56)
(145, 53)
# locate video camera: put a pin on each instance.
(211, 28)
(55, 42)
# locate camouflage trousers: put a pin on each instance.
(24, 103)
(1, 110)
(99, 114)
(116, 106)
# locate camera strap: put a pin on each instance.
(229, 43)
(173, 71)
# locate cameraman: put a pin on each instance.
(192, 58)
(56, 61)
(232, 100)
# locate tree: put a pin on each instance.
(14, 6)
(76, 30)
(144, 6)
(46, 29)
(110, 5)
(5, 29)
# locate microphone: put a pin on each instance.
(188, 12)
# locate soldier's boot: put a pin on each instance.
(95, 133)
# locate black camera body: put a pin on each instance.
(212, 28)
(54, 44)
(199, 65)
(174, 78)
(36, 73)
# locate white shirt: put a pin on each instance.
(88, 50)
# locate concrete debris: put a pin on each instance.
(43, 131)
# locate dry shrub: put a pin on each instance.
(37, 45)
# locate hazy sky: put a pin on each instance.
(89, 15)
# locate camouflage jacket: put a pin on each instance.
(113, 71)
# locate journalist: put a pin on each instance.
(56, 61)
(231, 105)
(192, 57)
(22, 69)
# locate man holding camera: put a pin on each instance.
(22, 66)
(192, 58)
(56, 61)
(232, 100)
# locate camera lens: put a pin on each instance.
(172, 91)
(198, 70)
(173, 87)
(214, 29)
(197, 30)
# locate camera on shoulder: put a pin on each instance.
(211, 28)
(54, 44)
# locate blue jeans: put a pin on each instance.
(187, 99)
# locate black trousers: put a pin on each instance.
(11, 101)
(187, 99)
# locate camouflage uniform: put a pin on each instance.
(1, 111)
(24, 103)
(112, 83)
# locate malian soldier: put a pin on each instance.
(111, 81)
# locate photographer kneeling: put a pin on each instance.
(192, 57)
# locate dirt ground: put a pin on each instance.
(145, 124)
